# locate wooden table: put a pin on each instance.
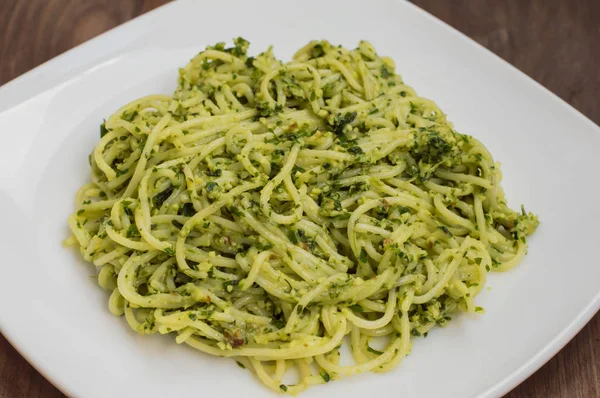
(557, 42)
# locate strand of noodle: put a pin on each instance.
(381, 322)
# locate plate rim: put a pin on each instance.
(52, 68)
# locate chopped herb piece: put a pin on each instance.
(187, 210)
(241, 47)
(129, 115)
(341, 121)
(431, 148)
(279, 323)
(385, 72)
(445, 229)
(292, 237)
(160, 198)
(210, 186)
(132, 232)
(177, 224)
(103, 129)
(235, 211)
(363, 255)
(266, 109)
(317, 51)
(355, 150)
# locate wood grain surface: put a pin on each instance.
(556, 42)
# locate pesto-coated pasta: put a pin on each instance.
(266, 210)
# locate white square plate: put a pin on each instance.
(57, 317)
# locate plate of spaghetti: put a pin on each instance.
(334, 218)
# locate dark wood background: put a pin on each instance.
(557, 42)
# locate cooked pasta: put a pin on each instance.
(267, 210)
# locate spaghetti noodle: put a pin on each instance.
(267, 210)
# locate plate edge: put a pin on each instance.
(496, 389)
